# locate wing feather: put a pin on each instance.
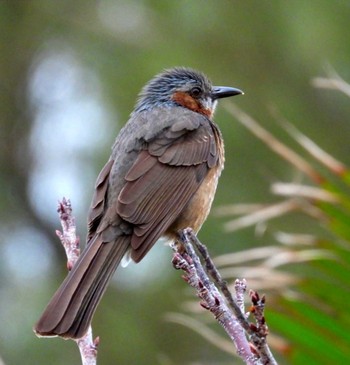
(99, 199)
(164, 178)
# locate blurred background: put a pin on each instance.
(70, 74)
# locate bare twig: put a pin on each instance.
(212, 300)
(229, 311)
(240, 289)
(215, 275)
(88, 348)
(260, 329)
(87, 345)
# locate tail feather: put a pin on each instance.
(94, 296)
(70, 311)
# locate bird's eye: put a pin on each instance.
(196, 91)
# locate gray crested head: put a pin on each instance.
(160, 90)
(184, 87)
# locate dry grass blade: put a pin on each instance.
(208, 334)
(289, 257)
(264, 278)
(262, 215)
(304, 191)
(333, 82)
(252, 254)
(273, 143)
(310, 146)
(293, 239)
(212, 337)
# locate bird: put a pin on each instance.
(161, 178)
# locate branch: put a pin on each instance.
(70, 241)
(227, 309)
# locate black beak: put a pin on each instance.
(220, 92)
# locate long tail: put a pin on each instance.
(70, 311)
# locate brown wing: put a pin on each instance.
(163, 179)
(98, 200)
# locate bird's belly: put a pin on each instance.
(198, 208)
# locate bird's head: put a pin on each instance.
(183, 87)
